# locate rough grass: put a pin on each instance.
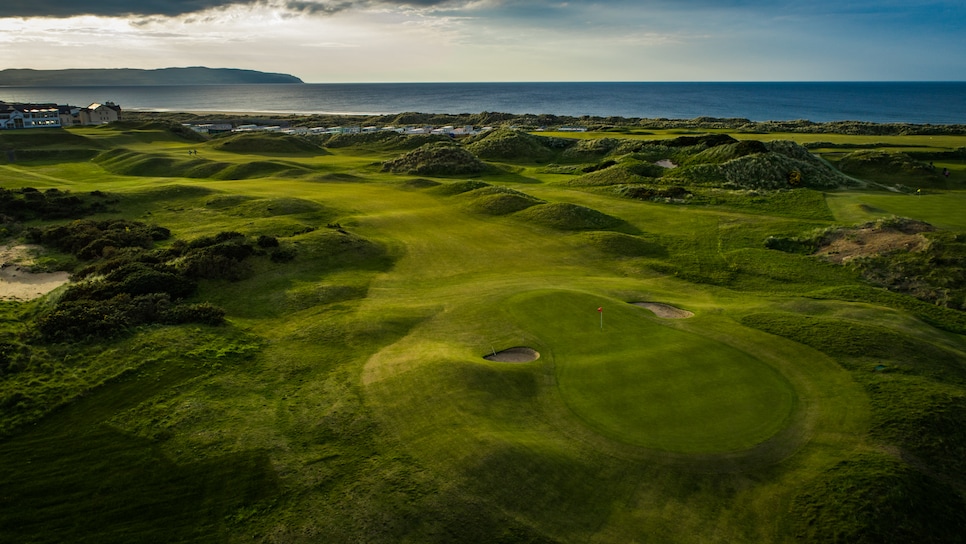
(868, 345)
(872, 499)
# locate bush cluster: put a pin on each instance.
(82, 319)
(88, 239)
(127, 282)
(644, 192)
(28, 203)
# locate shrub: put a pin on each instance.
(204, 313)
(283, 254)
(265, 241)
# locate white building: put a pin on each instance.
(14, 116)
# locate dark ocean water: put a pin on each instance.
(881, 102)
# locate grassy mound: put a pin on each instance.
(265, 142)
(937, 316)
(263, 207)
(586, 150)
(764, 171)
(133, 163)
(889, 167)
(875, 499)
(916, 387)
(499, 200)
(47, 145)
(623, 245)
(421, 183)
(727, 152)
(384, 140)
(508, 144)
(436, 160)
(260, 169)
(862, 346)
(340, 177)
(565, 216)
(46, 138)
(155, 130)
(629, 171)
(169, 193)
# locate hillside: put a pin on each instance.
(195, 75)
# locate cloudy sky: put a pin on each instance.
(324, 41)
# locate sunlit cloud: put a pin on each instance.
(473, 40)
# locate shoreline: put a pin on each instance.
(537, 121)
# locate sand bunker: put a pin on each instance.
(664, 310)
(514, 355)
(17, 282)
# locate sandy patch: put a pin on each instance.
(514, 355)
(665, 311)
(16, 280)
(864, 242)
(666, 163)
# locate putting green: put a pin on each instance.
(643, 383)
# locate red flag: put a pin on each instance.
(600, 309)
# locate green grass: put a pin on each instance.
(347, 398)
(651, 385)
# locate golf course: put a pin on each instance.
(625, 335)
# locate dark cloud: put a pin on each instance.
(68, 8)
(171, 8)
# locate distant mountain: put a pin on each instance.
(196, 75)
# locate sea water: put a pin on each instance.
(880, 102)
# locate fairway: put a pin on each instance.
(650, 385)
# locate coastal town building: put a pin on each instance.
(100, 114)
(449, 130)
(14, 116)
(24, 115)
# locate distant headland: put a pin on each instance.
(195, 75)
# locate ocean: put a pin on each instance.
(879, 102)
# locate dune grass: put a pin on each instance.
(347, 398)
